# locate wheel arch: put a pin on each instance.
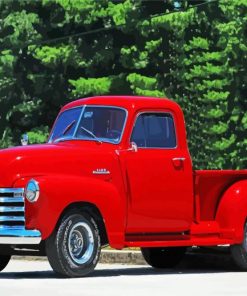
(232, 210)
(58, 193)
(91, 210)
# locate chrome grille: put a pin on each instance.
(12, 208)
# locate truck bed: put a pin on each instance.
(209, 187)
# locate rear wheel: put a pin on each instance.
(73, 250)
(163, 257)
(4, 260)
(239, 252)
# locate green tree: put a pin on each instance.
(53, 51)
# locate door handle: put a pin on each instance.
(178, 162)
(178, 159)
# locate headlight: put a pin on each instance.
(32, 191)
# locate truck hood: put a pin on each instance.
(62, 158)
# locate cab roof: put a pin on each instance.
(127, 102)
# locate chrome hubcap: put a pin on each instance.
(81, 243)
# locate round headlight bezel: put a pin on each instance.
(32, 191)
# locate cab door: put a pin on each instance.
(159, 177)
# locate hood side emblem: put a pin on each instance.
(101, 172)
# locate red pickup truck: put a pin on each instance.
(117, 170)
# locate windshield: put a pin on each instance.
(98, 123)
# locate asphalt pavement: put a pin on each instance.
(201, 276)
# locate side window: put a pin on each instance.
(154, 130)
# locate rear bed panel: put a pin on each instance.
(209, 187)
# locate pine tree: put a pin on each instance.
(53, 51)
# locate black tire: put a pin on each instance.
(239, 252)
(167, 257)
(73, 250)
(4, 260)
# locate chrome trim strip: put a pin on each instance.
(12, 218)
(12, 199)
(12, 190)
(11, 209)
(11, 227)
(101, 172)
(79, 120)
(179, 158)
(17, 236)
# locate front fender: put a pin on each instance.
(58, 192)
(232, 210)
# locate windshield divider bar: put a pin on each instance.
(79, 120)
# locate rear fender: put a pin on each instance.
(232, 210)
(58, 192)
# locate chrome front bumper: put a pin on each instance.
(18, 236)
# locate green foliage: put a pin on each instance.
(142, 81)
(197, 43)
(174, 21)
(144, 86)
(218, 128)
(224, 143)
(196, 56)
(93, 86)
(7, 60)
(21, 24)
(215, 113)
(215, 96)
(55, 56)
(244, 121)
(38, 135)
(134, 59)
(121, 12)
(153, 45)
(77, 11)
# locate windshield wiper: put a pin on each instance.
(68, 127)
(91, 134)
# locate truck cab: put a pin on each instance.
(117, 170)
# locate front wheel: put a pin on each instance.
(4, 260)
(73, 249)
(239, 252)
(167, 257)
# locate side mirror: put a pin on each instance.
(133, 147)
(24, 140)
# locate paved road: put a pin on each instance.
(35, 278)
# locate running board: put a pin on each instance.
(130, 237)
(198, 241)
(205, 233)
